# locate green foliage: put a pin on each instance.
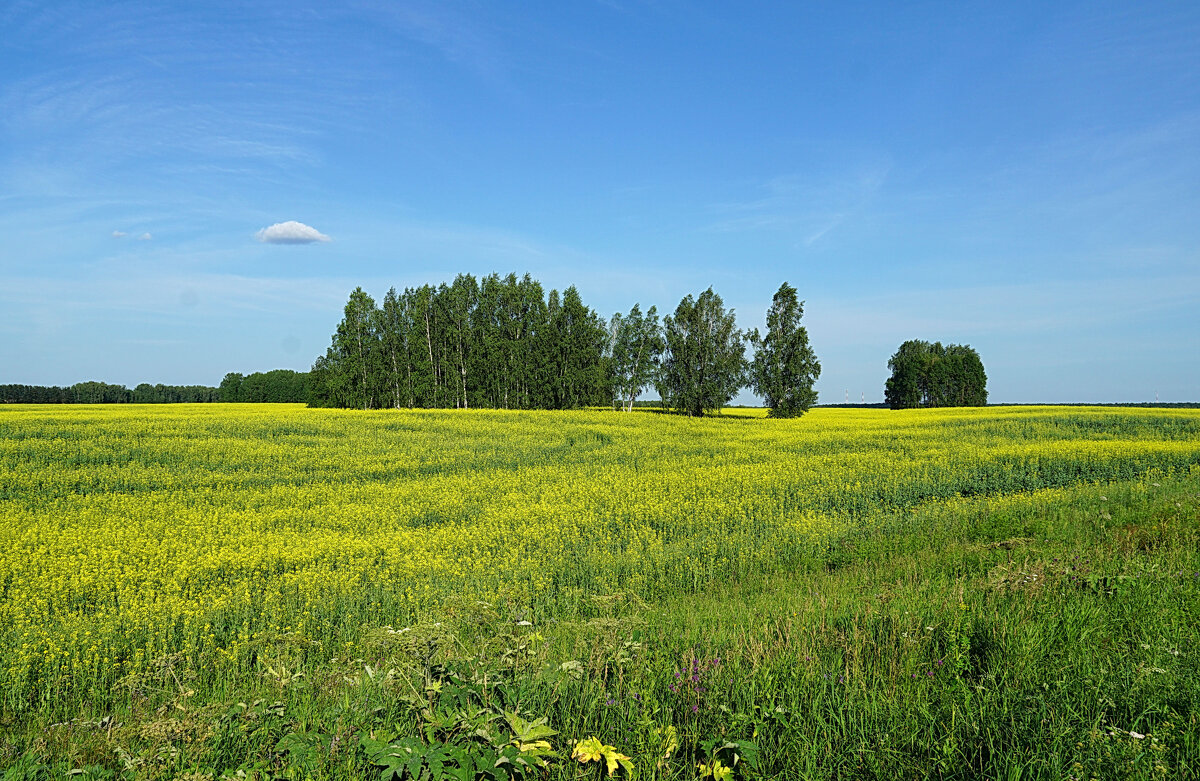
(356, 353)
(145, 393)
(498, 343)
(464, 742)
(727, 759)
(231, 387)
(705, 364)
(637, 347)
(280, 386)
(106, 393)
(785, 367)
(577, 341)
(35, 394)
(930, 375)
(100, 393)
(305, 751)
(25, 768)
(637, 350)
(246, 729)
(408, 758)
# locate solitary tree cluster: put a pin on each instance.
(705, 361)
(501, 343)
(496, 342)
(785, 367)
(930, 375)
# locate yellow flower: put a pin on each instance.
(593, 750)
(717, 771)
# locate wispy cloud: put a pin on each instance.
(815, 236)
(290, 232)
(458, 35)
(809, 206)
(125, 95)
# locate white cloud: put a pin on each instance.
(145, 237)
(119, 234)
(291, 232)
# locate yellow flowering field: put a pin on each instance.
(131, 532)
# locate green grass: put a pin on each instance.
(1045, 635)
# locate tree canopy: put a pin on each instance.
(637, 350)
(785, 367)
(927, 374)
(276, 387)
(705, 364)
(503, 343)
(499, 342)
(93, 392)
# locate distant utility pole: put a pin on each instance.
(847, 395)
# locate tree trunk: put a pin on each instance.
(429, 345)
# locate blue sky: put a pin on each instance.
(1021, 177)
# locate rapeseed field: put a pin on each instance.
(203, 539)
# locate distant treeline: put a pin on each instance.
(1144, 404)
(280, 385)
(105, 393)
